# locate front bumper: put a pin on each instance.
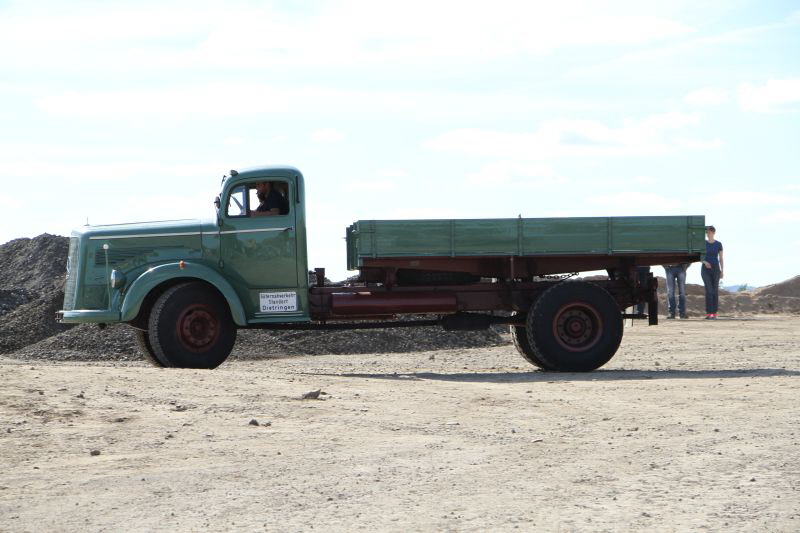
(87, 316)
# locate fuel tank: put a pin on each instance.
(383, 303)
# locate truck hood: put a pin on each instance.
(160, 228)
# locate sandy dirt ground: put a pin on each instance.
(693, 426)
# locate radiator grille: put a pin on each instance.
(72, 275)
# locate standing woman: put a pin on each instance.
(712, 272)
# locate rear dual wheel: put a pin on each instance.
(573, 326)
(190, 326)
(519, 336)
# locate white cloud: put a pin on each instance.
(698, 144)
(781, 217)
(233, 141)
(425, 213)
(393, 173)
(773, 96)
(663, 121)
(346, 33)
(371, 186)
(8, 201)
(755, 198)
(70, 151)
(327, 135)
(224, 100)
(60, 171)
(516, 173)
(221, 100)
(575, 138)
(707, 96)
(630, 202)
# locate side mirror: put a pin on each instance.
(217, 203)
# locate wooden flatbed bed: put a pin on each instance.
(524, 247)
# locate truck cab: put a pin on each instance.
(263, 255)
(245, 267)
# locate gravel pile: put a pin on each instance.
(37, 264)
(31, 322)
(264, 343)
(85, 342)
(32, 275)
(10, 299)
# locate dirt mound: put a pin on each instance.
(692, 289)
(790, 288)
(37, 264)
(86, 342)
(31, 289)
(31, 322)
(10, 299)
(782, 298)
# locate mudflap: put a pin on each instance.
(652, 300)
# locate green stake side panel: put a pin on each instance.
(524, 237)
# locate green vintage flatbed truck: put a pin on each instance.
(186, 286)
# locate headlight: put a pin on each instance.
(117, 279)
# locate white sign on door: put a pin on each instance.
(278, 302)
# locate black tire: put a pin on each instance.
(190, 326)
(146, 349)
(574, 326)
(434, 277)
(519, 336)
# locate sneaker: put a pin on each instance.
(671, 315)
(713, 316)
(684, 316)
(708, 316)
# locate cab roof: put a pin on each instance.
(278, 171)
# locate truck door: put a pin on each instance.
(258, 251)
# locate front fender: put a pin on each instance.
(155, 276)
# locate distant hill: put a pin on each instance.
(790, 287)
(737, 287)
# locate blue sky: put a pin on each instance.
(125, 111)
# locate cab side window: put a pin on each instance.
(268, 198)
(237, 202)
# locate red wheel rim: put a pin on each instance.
(197, 327)
(577, 327)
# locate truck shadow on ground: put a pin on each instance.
(597, 375)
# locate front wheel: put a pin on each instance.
(574, 326)
(190, 326)
(143, 342)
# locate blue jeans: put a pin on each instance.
(711, 283)
(676, 273)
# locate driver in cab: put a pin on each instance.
(271, 202)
